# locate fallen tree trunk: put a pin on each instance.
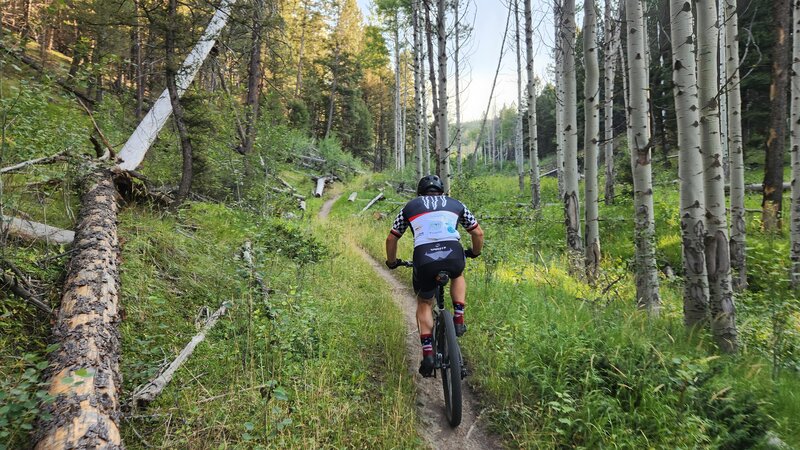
(84, 375)
(148, 392)
(33, 231)
(60, 156)
(755, 187)
(321, 182)
(352, 197)
(373, 201)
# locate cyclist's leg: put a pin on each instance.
(425, 315)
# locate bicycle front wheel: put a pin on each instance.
(451, 369)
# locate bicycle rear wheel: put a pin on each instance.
(451, 368)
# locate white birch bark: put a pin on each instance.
(724, 129)
(398, 160)
(591, 137)
(417, 88)
(533, 146)
(647, 283)
(444, 141)
(610, 63)
(721, 306)
(571, 198)
(736, 151)
(146, 133)
(457, 61)
(794, 133)
(559, 63)
(518, 138)
(690, 163)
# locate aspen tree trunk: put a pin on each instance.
(84, 374)
(398, 159)
(723, 313)
(533, 148)
(690, 163)
(434, 89)
(795, 139)
(572, 214)
(559, 62)
(609, 62)
(254, 78)
(647, 283)
(518, 138)
(724, 85)
(738, 234)
(591, 108)
(443, 151)
(772, 203)
(417, 88)
(457, 33)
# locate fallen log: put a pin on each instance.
(149, 391)
(755, 187)
(352, 197)
(60, 156)
(83, 374)
(373, 201)
(29, 230)
(321, 182)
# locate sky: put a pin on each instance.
(488, 18)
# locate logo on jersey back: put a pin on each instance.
(433, 201)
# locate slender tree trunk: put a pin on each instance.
(334, 86)
(426, 157)
(298, 86)
(771, 205)
(690, 162)
(397, 115)
(533, 148)
(647, 284)
(610, 61)
(457, 27)
(138, 60)
(417, 88)
(434, 89)
(559, 63)
(519, 156)
(738, 234)
(723, 313)
(795, 138)
(84, 374)
(724, 85)
(591, 108)
(443, 150)
(177, 110)
(254, 77)
(572, 215)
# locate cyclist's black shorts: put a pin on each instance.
(430, 259)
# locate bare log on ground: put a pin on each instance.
(60, 156)
(321, 182)
(148, 392)
(352, 197)
(84, 375)
(13, 284)
(373, 201)
(34, 231)
(757, 187)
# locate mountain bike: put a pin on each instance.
(447, 359)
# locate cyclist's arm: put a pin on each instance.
(476, 234)
(391, 248)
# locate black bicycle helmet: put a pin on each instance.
(428, 184)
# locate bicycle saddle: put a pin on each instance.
(442, 278)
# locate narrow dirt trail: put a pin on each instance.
(472, 433)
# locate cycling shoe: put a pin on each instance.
(426, 366)
(460, 329)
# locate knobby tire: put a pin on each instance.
(451, 376)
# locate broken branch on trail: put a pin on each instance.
(148, 392)
(60, 156)
(84, 375)
(29, 230)
(352, 197)
(373, 201)
(12, 283)
(321, 182)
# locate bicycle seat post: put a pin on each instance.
(442, 278)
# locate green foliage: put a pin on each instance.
(21, 398)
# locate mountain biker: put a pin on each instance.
(433, 218)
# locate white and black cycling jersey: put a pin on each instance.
(433, 218)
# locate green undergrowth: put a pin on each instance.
(317, 362)
(560, 363)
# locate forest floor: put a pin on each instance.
(472, 433)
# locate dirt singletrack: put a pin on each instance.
(472, 433)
